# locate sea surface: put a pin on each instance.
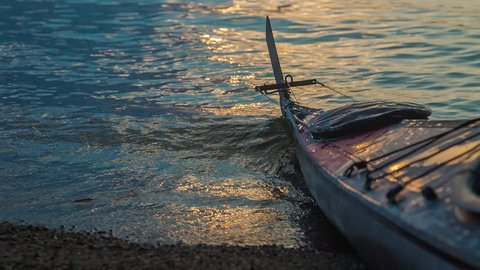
(139, 117)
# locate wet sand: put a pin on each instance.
(31, 246)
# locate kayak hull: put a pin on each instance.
(388, 185)
(382, 243)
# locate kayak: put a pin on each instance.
(403, 189)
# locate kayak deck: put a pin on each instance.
(433, 220)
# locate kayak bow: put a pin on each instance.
(403, 189)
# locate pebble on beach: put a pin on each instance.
(30, 246)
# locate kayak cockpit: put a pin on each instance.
(360, 117)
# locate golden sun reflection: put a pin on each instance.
(229, 10)
(396, 166)
(452, 152)
(233, 210)
(239, 225)
(247, 188)
(251, 109)
(357, 48)
(207, 39)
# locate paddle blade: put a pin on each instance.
(272, 51)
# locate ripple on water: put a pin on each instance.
(138, 116)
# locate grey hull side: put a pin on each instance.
(381, 243)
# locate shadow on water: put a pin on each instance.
(269, 148)
(320, 233)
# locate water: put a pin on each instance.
(138, 116)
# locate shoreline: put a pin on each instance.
(25, 246)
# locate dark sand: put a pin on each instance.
(28, 246)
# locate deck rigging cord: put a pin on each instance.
(336, 91)
(265, 94)
(369, 174)
(426, 190)
(290, 88)
(268, 89)
(421, 144)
